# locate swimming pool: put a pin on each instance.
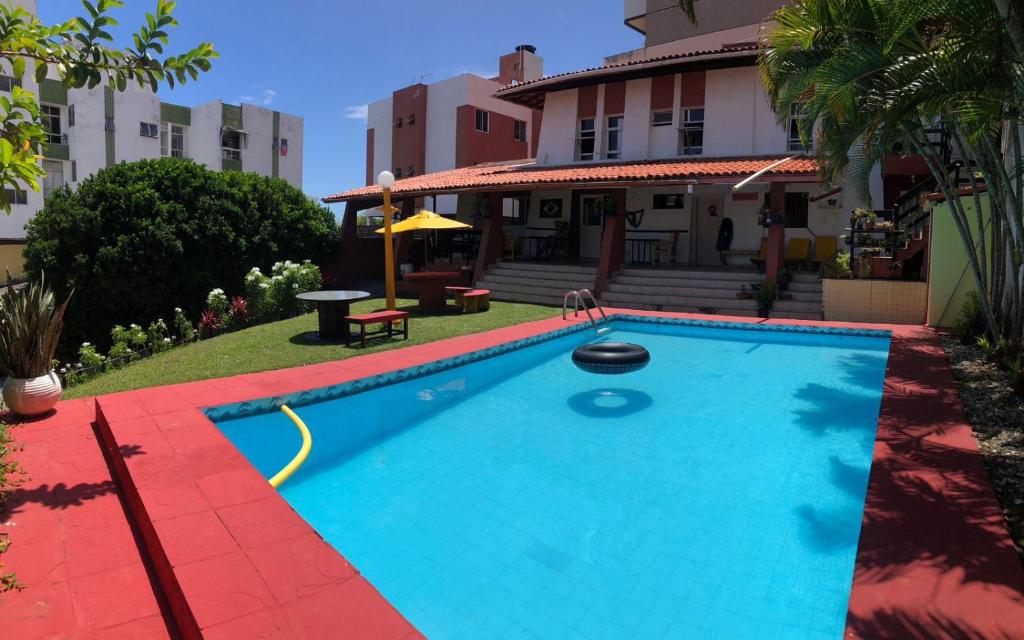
(718, 492)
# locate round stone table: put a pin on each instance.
(332, 307)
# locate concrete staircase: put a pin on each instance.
(537, 283)
(806, 303)
(684, 290)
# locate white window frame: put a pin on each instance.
(168, 133)
(229, 152)
(149, 130)
(609, 152)
(656, 122)
(690, 124)
(588, 134)
(49, 113)
(793, 142)
(482, 117)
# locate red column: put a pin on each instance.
(492, 238)
(613, 243)
(776, 233)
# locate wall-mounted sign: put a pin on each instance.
(668, 200)
(551, 208)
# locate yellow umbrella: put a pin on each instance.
(426, 220)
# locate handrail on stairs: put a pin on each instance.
(300, 457)
(579, 299)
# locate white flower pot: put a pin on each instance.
(32, 396)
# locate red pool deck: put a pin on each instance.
(186, 521)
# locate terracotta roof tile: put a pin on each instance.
(526, 173)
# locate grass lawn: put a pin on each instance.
(283, 344)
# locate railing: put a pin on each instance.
(579, 298)
(296, 462)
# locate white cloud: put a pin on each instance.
(263, 98)
(357, 112)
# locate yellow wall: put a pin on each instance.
(883, 301)
(12, 260)
(949, 276)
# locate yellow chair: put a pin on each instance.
(798, 251)
(824, 249)
(762, 255)
(508, 246)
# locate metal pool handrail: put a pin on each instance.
(578, 300)
(300, 457)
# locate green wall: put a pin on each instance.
(53, 92)
(108, 112)
(176, 114)
(949, 276)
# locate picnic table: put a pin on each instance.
(332, 307)
(430, 287)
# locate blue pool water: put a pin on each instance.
(717, 493)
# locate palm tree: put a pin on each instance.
(873, 74)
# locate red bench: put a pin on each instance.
(458, 292)
(476, 300)
(385, 317)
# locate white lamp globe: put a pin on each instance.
(385, 179)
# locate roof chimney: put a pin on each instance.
(522, 65)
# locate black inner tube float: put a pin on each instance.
(611, 357)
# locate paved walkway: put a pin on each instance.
(71, 544)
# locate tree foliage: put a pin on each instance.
(874, 76)
(79, 53)
(138, 239)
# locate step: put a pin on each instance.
(526, 288)
(622, 299)
(794, 315)
(797, 306)
(687, 274)
(572, 283)
(542, 267)
(722, 311)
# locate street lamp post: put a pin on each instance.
(385, 180)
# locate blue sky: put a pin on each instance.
(323, 59)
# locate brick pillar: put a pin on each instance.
(348, 223)
(491, 239)
(613, 243)
(776, 233)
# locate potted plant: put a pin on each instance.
(30, 326)
(765, 296)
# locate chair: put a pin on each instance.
(824, 249)
(508, 246)
(762, 256)
(797, 252)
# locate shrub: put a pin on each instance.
(838, 266)
(88, 357)
(136, 235)
(217, 301)
(238, 313)
(971, 323)
(133, 337)
(183, 326)
(120, 353)
(273, 297)
(158, 337)
(30, 328)
(209, 324)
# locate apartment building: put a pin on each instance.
(456, 122)
(89, 129)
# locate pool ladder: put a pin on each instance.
(579, 299)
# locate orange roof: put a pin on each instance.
(526, 174)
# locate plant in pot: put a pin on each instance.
(765, 297)
(30, 324)
(783, 279)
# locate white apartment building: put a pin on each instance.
(89, 129)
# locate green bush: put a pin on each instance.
(273, 297)
(971, 323)
(136, 238)
(837, 266)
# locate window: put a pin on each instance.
(108, 124)
(514, 210)
(283, 150)
(661, 118)
(483, 121)
(793, 140)
(592, 209)
(613, 151)
(71, 116)
(6, 84)
(796, 210)
(408, 171)
(398, 172)
(148, 130)
(519, 130)
(585, 139)
(232, 141)
(691, 136)
(74, 171)
(412, 119)
(17, 196)
(51, 122)
(54, 178)
(172, 140)
(398, 123)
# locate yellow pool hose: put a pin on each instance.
(300, 457)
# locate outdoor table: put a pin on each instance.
(332, 307)
(430, 286)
